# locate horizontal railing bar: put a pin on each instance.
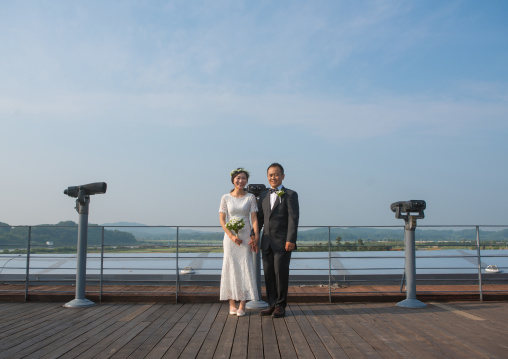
(301, 226)
(296, 258)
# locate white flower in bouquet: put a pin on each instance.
(235, 224)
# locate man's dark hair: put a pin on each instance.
(275, 164)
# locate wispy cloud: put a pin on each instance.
(239, 46)
(323, 117)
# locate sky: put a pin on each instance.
(364, 103)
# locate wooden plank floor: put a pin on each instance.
(206, 330)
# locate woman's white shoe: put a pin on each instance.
(233, 311)
(240, 313)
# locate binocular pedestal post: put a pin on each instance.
(82, 204)
(257, 304)
(410, 265)
(256, 190)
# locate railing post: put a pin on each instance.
(177, 286)
(329, 265)
(403, 281)
(27, 275)
(479, 260)
(102, 264)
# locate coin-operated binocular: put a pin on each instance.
(91, 188)
(82, 194)
(410, 211)
(409, 207)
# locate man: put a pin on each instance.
(278, 213)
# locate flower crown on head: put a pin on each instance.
(240, 170)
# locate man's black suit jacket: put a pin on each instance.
(280, 223)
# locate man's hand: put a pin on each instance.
(253, 243)
(290, 246)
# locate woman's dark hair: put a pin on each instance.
(275, 164)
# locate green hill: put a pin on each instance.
(61, 234)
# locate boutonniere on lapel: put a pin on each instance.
(280, 193)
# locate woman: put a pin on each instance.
(238, 278)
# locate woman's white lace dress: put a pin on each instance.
(238, 277)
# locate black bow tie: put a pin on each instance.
(273, 190)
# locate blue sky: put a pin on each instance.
(364, 103)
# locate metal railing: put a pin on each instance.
(327, 274)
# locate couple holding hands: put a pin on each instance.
(277, 210)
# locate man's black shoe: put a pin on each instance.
(267, 311)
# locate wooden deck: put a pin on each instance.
(206, 330)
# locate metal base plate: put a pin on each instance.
(411, 303)
(79, 303)
(256, 304)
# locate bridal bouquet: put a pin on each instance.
(235, 224)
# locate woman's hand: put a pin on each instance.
(237, 240)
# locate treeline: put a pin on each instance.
(155, 234)
(65, 234)
(375, 234)
(61, 234)
(145, 233)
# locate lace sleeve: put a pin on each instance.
(223, 205)
(253, 204)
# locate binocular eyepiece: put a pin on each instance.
(256, 189)
(89, 189)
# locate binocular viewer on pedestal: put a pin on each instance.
(413, 210)
(82, 194)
